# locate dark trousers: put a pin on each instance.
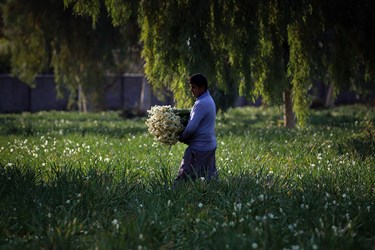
(197, 164)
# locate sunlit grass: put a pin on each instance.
(84, 181)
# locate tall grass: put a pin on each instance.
(87, 181)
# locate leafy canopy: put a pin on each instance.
(247, 48)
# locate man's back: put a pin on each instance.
(199, 134)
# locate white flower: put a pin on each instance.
(114, 222)
(238, 207)
(334, 228)
(200, 205)
(164, 124)
(254, 245)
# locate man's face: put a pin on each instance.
(197, 91)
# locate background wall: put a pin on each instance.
(128, 91)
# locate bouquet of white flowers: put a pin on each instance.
(166, 123)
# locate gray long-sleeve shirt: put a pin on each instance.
(199, 133)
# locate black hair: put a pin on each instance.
(199, 80)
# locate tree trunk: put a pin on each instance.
(145, 102)
(82, 104)
(289, 117)
(329, 101)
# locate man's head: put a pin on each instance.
(198, 84)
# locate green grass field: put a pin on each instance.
(96, 181)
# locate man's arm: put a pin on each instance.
(197, 115)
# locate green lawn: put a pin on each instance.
(96, 181)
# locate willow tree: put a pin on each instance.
(179, 38)
(257, 43)
(45, 36)
(271, 48)
(346, 44)
(4, 50)
(268, 48)
(182, 47)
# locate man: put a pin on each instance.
(199, 158)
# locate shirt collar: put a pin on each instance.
(203, 95)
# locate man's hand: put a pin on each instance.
(182, 140)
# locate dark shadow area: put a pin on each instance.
(34, 201)
(238, 122)
(327, 119)
(361, 144)
(31, 126)
(341, 116)
(70, 201)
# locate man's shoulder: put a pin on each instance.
(207, 96)
(209, 99)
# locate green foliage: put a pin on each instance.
(173, 49)
(28, 48)
(94, 180)
(85, 8)
(269, 62)
(246, 48)
(46, 37)
(299, 73)
(120, 11)
(259, 47)
(4, 56)
(345, 46)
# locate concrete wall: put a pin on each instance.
(14, 95)
(44, 95)
(121, 92)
